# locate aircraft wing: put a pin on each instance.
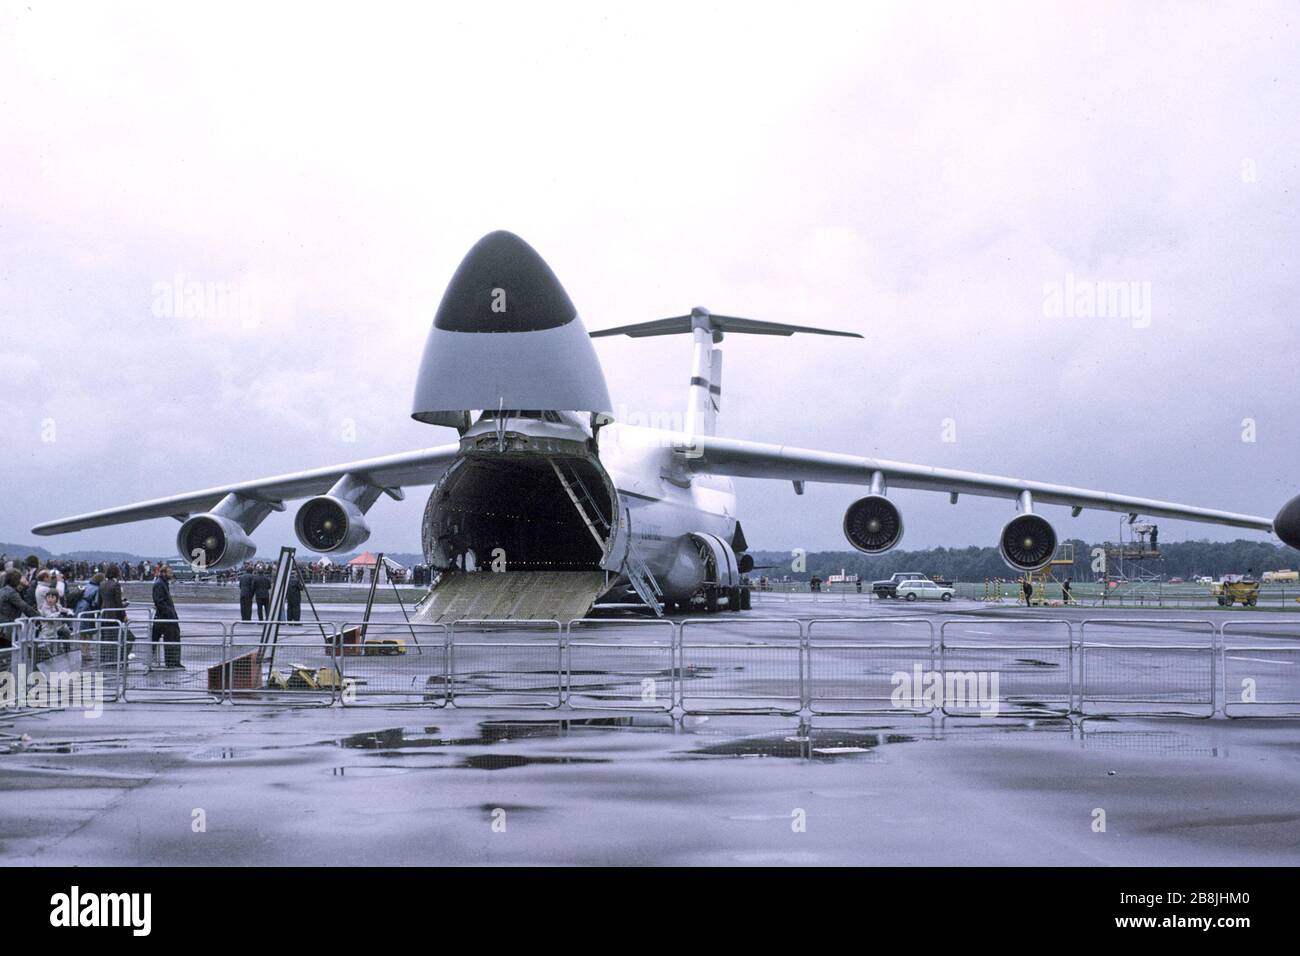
(422, 467)
(746, 459)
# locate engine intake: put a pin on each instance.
(325, 524)
(211, 542)
(873, 524)
(1028, 542)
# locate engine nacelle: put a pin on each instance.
(212, 542)
(873, 524)
(328, 524)
(1287, 523)
(1027, 542)
(325, 524)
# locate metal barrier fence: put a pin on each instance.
(967, 666)
(52, 668)
(621, 665)
(1133, 678)
(1035, 671)
(853, 664)
(394, 663)
(523, 668)
(722, 673)
(1260, 679)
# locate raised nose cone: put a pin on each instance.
(1287, 523)
(503, 285)
(506, 335)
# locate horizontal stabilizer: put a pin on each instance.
(683, 324)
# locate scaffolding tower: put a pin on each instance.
(1135, 564)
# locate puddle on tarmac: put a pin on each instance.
(813, 744)
(491, 732)
(69, 746)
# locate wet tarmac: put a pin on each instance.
(277, 783)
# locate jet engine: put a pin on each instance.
(213, 542)
(1287, 523)
(325, 523)
(1028, 542)
(873, 524)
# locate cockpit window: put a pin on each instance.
(548, 415)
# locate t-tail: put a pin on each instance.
(704, 396)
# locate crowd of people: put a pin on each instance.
(66, 598)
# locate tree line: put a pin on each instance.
(1181, 559)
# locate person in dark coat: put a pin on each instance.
(165, 627)
(12, 604)
(246, 594)
(114, 605)
(1028, 588)
(293, 596)
(262, 592)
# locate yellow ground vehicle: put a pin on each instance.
(1228, 593)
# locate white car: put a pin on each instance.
(925, 590)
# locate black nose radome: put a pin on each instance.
(503, 285)
(1287, 523)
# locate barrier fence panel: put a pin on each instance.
(622, 665)
(394, 662)
(10, 657)
(1261, 668)
(300, 666)
(78, 652)
(506, 664)
(854, 665)
(160, 670)
(987, 671)
(1147, 667)
(741, 666)
(59, 665)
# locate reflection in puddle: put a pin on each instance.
(810, 744)
(507, 761)
(490, 732)
(69, 746)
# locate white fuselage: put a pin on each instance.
(665, 501)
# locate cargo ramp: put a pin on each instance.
(510, 595)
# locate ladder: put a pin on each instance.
(644, 583)
(577, 491)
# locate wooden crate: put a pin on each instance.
(244, 671)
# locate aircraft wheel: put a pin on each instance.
(733, 599)
(669, 607)
(711, 600)
(745, 599)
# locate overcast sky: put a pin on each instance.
(926, 177)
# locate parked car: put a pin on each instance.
(923, 589)
(889, 588)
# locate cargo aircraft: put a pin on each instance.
(545, 504)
